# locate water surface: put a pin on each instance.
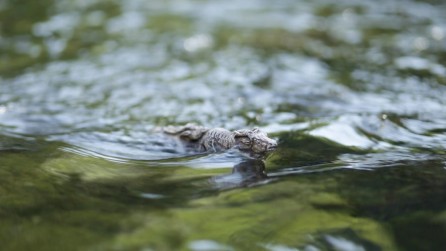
(353, 91)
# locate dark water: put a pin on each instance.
(354, 91)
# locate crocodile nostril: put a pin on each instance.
(272, 147)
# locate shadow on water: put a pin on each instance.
(403, 192)
(408, 198)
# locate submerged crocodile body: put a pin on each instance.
(251, 142)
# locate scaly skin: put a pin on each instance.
(251, 142)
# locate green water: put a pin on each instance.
(353, 91)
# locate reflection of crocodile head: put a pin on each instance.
(251, 142)
(246, 173)
(254, 143)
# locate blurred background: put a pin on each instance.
(354, 91)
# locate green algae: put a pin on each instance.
(99, 207)
(252, 219)
(93, 204)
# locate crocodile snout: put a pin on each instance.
(272, 146)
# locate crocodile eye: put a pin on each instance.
(245, 141)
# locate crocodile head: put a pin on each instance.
(254, 143)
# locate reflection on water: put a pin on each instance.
(353, 91)
(244, 174)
